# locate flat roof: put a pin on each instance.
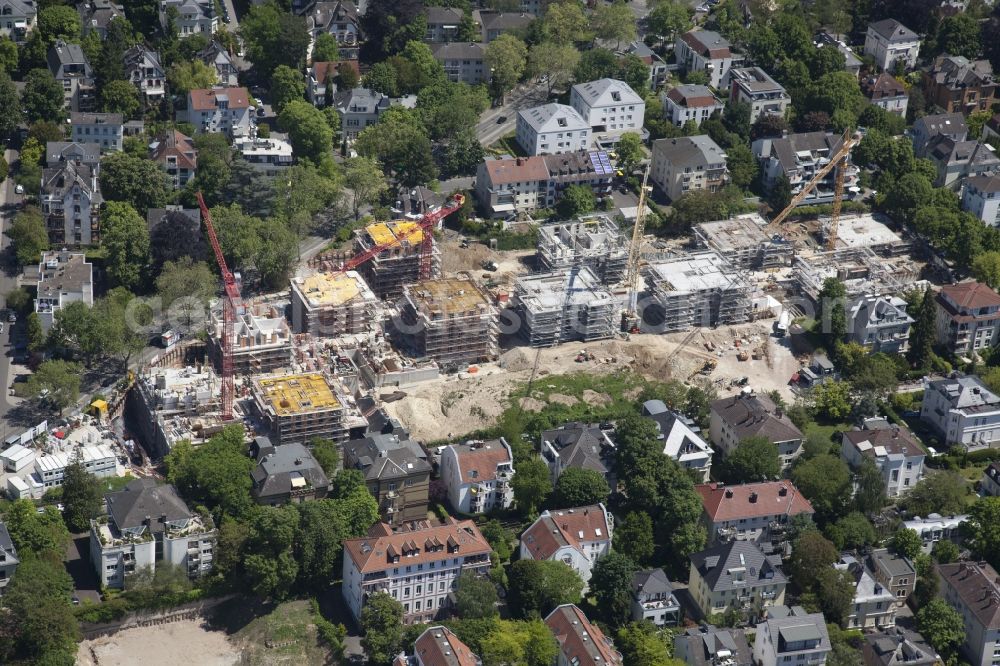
(447, 294)
(387, 232)
(737, 233)
(293, 394)
(864, 231)
(323, 289)
(549, 290)
(696, 272)
(87, 454)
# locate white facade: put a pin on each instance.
(936, 527)
(880, 323)
(17, 458)
(144, 71)
(17, 19)
(225, 110)
(754, 86)
(193, 17)
(874, 605)
(105, 129)
(610, 107)
(63, 278)
(900, 460)
(99, 460)
(791, 636)
(552, 128)
(963, 410)
(981, 197)
(890, 41)
(478, 476)
(267, 155)
(704, 51)
(577, 537)
(686, 103)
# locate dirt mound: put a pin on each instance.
(594, 398)
(516, 360)
(532, 404)
(562, 399)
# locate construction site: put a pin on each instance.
(564, 306)
(451, 320)
(301, 407)
(332, 303)
(411, 255)
(691, 290)
(860, 269)
(262, 340)
(744, 241)
(595, 242)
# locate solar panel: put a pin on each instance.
(601, 162)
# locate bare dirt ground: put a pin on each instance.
(458, 404)
(183, 642)
(510, 263)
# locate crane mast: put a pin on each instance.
(630, 319)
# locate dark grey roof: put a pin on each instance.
(986, 184)
(155, 216)
(689, 151)
(61, 151)
(385, 456)
(506, 20)
(715, 564)
(651, 581)
(945, 150)
(787, 149)
(142, 56)
(98, 14)
(459, 51)
(959, 72)
(360, 100)
(897, 646)
(59, 179)
(942, 123)
(6, 544)
(894, 31)
(891, 563)
(93, 118)
(699, 646)
(144, 499)
(753, 414)
(278, 467)
(579, 445)
(794, 625)
(449, 15)
(965, 391)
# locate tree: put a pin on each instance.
(959, 35)
(945, 552)
(577, 486)
(832, 400)
(56, 383)
(754, 459)
(382, 78)
(46, 631)
(475, 597)
(125, 235)
(365, 180)
(382, 624)
(565, 23)
(216, 474)
(508, 642)
(986, 268)
(939, 492)
(120, 97)
(35, 333)
(826, 482)
(42, 533)
(924, 332)
(42, 97)
(188, 75)
(134, 180)
(287, 85)
(308, 132)
(811, 552)
(10, 105)
(28, 234)
(634, 537)
(834, 591)
(59, 22)
(641, 644)
(630, 151)
(909, 193)
(832, 317)
(531, 485)
(177, 236)
(668, 18)
(576, 200)
(596, 64)
(982, 529)
(870, 497)
(613, 21)
(325, 49)
(388, 25)
(554, 63)
(742, 165)
(8, 55)
(837, 91)
(185, 288)
(611, 583)
(851, 532)
(82, 497)
(325, 453)
(507, 57)
(535, 587)
(401, 144)
(274, 37)
(942, 626)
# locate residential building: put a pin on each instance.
(577, 537)
(59, 152)
(852, 63)
(70, 67)
(172, 215)
(963, 411)
(689, 103)
(657, 67)
(330, 304)
(981, 197)
(926, 129)
(936, 527)
(696, 289)
(439, 646)
(754, 415)
(105, 129)
(225, 110)
(580, 445)
(653, 599)
(754, 86)
(193, 17)
(496, 23)
(791, 635)
(270, 156)
(681, 438)
(610, 107)
(285, 474)
(736, 575)
(968, 317)
(321, 86)
(552, 128)
(176, 154)
(341, 19)
(897, 646)
(96, 16)
(144, 70)
(958, 160)
(215, 56)
(708, 645)
(580, 642)
(63, 278)
(890, 42)
(463, 62)
(972, 588)
(893, 449)
(704, 51)
(688, 164)
(148, 524)
(17, 19)
(886, 92)
(894, 572)
(798, 157)
(8, 558)
(990, 483)
(71, 201)
(478, 475)
(443, 23)
(450, 320)
(991, 130)
(562, 306)
(880, 323)
(956, 84)
(361, 107)
(301, 407)
(396, 473)
(417, 563)
(873, 606)
(755, 512)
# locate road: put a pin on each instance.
(524, 96)
(10, 202)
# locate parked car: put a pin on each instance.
(19, 189)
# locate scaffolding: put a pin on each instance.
(860, 269)
(596, 242)
(744, 241)
(262, 341)
(701, 289)
(451, 320)
(400, 264)
(564, 306)
(332, 304)
(300, 407)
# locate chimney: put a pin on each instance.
(519, 161)
(783, 491)
(753, 497)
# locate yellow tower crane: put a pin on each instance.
(630, 318)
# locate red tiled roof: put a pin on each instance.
(565, 527)
(725, 503)
(321, 70)
(481, 459)
(178, 145)
(426, 543)
(580, 641)
(204, 99)
(693, 39)
(518, 170)
(971, 295)
(439, 646)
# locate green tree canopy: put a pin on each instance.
(55, 383)
(216, 474)
(905, 542)
(531, 485)
(811, 552)
(576, 200)
(274, 37)
(754, 459)
(577, 486)
(475, 597)
(81, 496)
(535, 587)
(382, 624)
(982, 529)
(326, 49)
(939, 492)
(853, 531)
(125, 235)
(942, 626)
(826, 482)
(134, 180)
(28, 234)
(308, 132)
(611, 584)
(634, 537)
(287, 85)
(507, 57)
(42, 97)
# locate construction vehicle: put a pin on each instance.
(584, 355)
(838, 159)
(630, 317)
(490, 266)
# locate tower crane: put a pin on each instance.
(231, 304)
(838, 159)
(630, 319)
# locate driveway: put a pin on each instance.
(79, 567)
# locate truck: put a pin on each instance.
(169, 338)
(781, 326)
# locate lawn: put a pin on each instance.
(830, 432)
(113, 484)
(290, 622)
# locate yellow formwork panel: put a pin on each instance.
(293, 394)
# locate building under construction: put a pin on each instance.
(262, 343)
(860, 269)
(701, 289)
(331, 304)
(450, 320)
(744, 241)
(563, 306)
(596, 242)
(388, 271)
(300, 407)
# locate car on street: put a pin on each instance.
(501, 120)
(76, 600)
(19, 189)
(11, 317)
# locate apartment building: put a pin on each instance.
(972, 588)
(981, 197)
(439, 646)
(285, 474)
(580, 445)
(580, 642)
(417, 563)
(340, 18)
(880, 323)
(893, 449)
(552, 128)
(63, 278)
(176, 154)
(968, 317)
(148, 524)
(745, 415)
(890, 42)
(704, 51)
(105, 129)
(690, 103)
(8, 558)
(96, 16)
(496, 23)
(886, 92)
(894, 572)
(681, 438)
(898, 647)
(755, 512)
(990, 483)
(578, 537)
(70, 67)
(218, 58)
(17, 19)
(791, 635)
(71, 202)
(708, 645)
(396, 473)
(321, 86)
(874, 605)
(610, 107)
(688, 164)
(463, 62)
(924, 130)
(361, 107)
(193, 17)
(653, 599)
(957, 160)
(696, 289)
(798, 157)
(144, 71)
(300, 407)
(443, 24)
(478, 475)
(270, 156)
(754, 86)
(956, 84)
(225, 110)
(736, 575)
(963, 411)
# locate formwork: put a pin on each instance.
(744, 241)
(262, 343)
(563, 306)
(331, 304)
(300, 407)
(701, 289)
(451, 320)
(399, 264)
(596, 242)
(860, 269)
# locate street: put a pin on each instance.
(10, 202)
(524, 96)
